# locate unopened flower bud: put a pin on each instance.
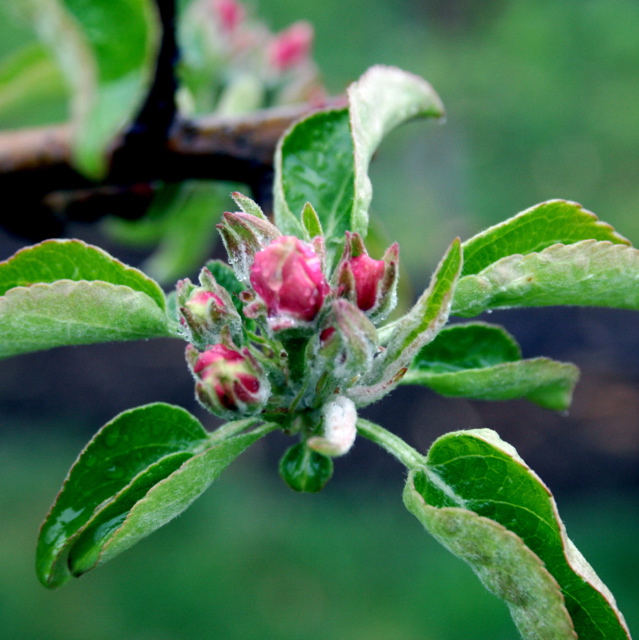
(291, 47)
(340, 430)
(205, 311)
(348, 343)
(229, 14)
(287, 275)
(244, 235)
(305, 470)
(371, 284)
(229, 382)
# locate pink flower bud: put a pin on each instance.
(229, 382)
(291, 46)
(367, 273)
(205, 311)
(229, 13)
(288, 277)
(370, 283)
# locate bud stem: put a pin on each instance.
(388, 441)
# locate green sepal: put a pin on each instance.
(479, 498)
(588, 273)
(533, 230)
(483, 362)
(138, 472)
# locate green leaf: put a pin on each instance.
(479, 499)
(44, 316)
(122, 449)
(153, 500)
(483, 362)
(382, 99)
(323, 159)
(54, 260)
(411, 332)
(138, 472)
(533, 230)
(107, 50)
(28, 75)
(64, 292)
(314, 163)
(586, 273)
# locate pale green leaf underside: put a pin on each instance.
(29, 75)
(505, 490)
(503, 563)
(119, 453)
(107, 50)
(587, 273)
(44, 316)
(382, 99)
(545, 382)
(54, 260)
(533, 230)
(483, 362)
(169, 497)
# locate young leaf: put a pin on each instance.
(107, 50)
(533, 230)
(483, 362)
(586, 273)
(414, 330)
(54, 260)
(479, 498)
(324, 158)
(64, 292)
(44, 316)
(139, 471)
(382, 99)
(314, 163)
(152, 500)
(29, 75)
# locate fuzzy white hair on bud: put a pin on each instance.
(340, 418)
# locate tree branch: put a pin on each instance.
(36, 169)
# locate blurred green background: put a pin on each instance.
(542, 100)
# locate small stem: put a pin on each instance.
(231, 429)
(408, 456)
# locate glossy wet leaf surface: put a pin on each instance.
(138, 472)
(474, 473)
(483, 362)
(324, 158)
(537, 228)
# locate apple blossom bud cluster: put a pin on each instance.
(287, 338)
(232, 63)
